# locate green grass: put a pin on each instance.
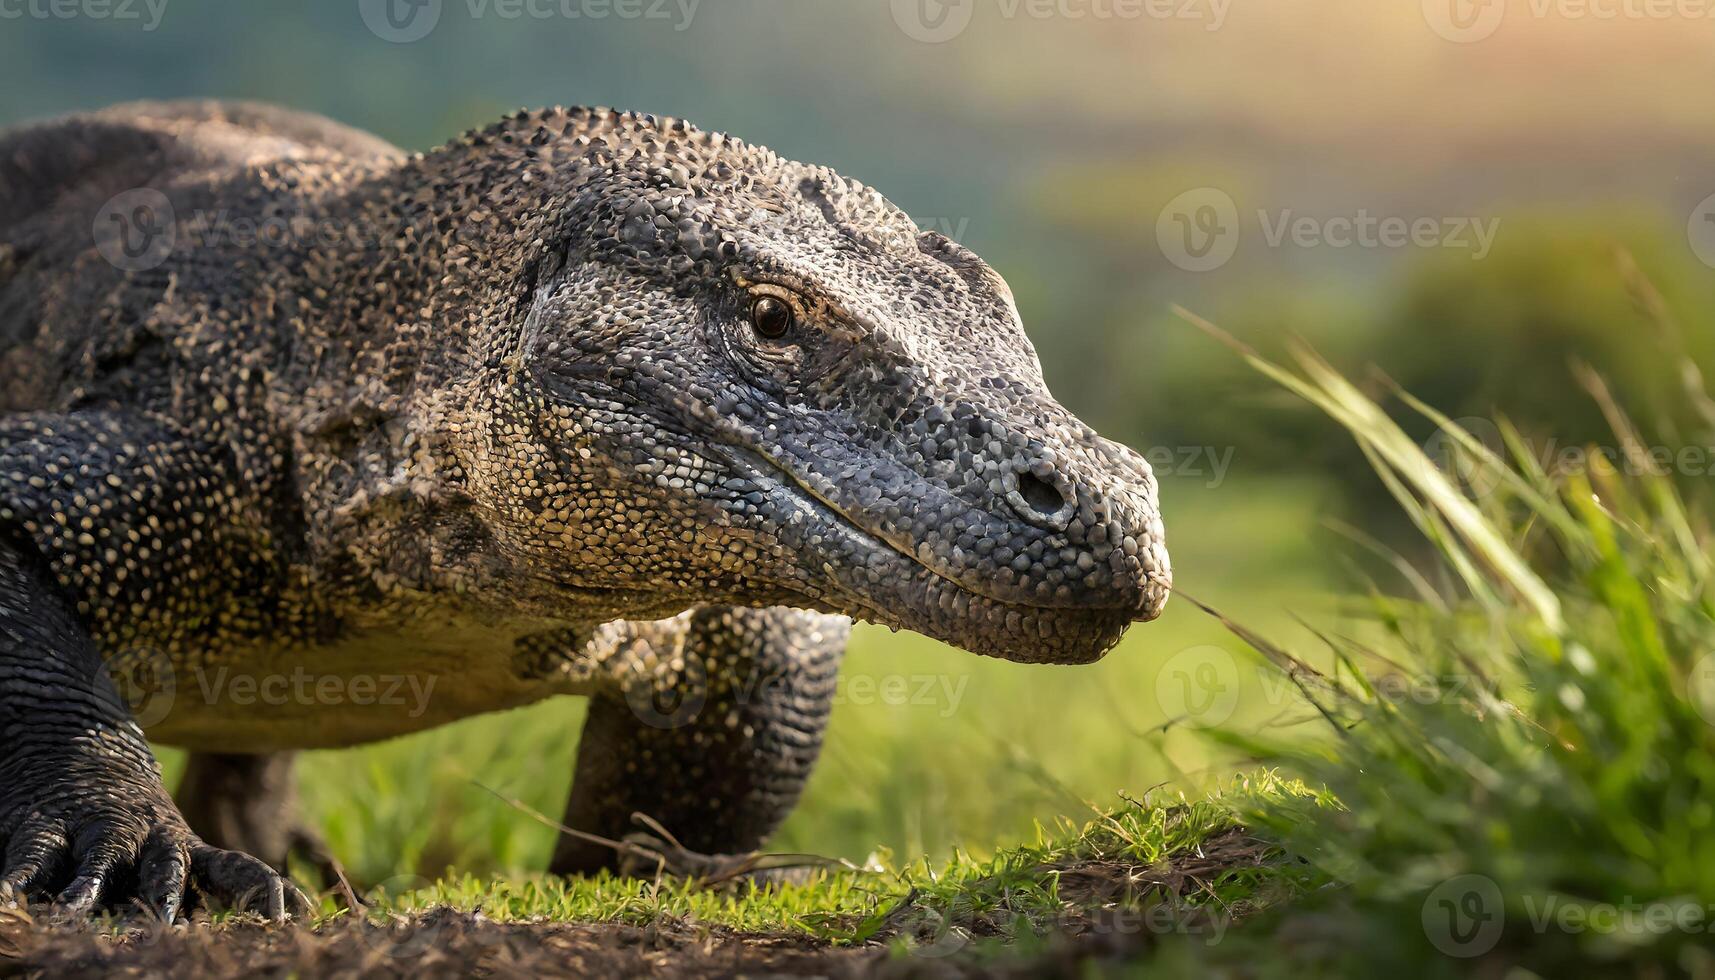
(1524, 752)
(974, 906)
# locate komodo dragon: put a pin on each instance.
(584, 402)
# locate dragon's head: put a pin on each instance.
(741, 379)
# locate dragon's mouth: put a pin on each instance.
(766, 467)
(879, 582)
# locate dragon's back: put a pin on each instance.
(46, 164)
(80, 288)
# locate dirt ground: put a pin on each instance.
(441, 943)
(446, 943)
(451, 943)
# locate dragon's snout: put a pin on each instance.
(1089, 532)
(1049, 547)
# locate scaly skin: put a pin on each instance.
(482, 423)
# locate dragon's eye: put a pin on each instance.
(770, 317)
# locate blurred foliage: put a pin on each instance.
(1474, 338)
(1478, 337)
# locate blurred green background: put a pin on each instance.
(1098, 153)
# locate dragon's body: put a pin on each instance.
(289, 418)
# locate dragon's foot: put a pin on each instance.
(118, 845)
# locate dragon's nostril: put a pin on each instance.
(1043, 497)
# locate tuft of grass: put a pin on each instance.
(1523, 751)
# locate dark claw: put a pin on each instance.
(162, 871)
(298, 905)
(95, 870)
(81, 895)
(242, 882)
(34, 856)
